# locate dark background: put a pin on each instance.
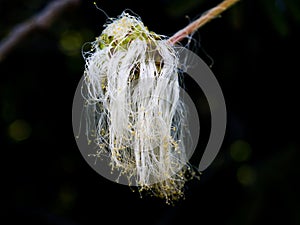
(254, 52)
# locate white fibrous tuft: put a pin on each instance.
(132, 87)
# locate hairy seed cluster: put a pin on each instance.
(132, 89)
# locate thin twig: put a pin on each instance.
(192, 27)
(46, 17)
(40, 21)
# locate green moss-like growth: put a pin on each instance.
(136, 32)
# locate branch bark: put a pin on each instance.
(42, 20)
(46, 17)
(192, 27)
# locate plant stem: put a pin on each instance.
(42, 20)
(192, 27)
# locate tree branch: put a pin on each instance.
(46, 17)
(42, 20)
(192, 27)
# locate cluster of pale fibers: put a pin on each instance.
(132, 87)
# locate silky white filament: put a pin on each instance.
(132, 88)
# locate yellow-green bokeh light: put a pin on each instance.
(19, 130)
(71, 42)
(246, 175)
(240, 151)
